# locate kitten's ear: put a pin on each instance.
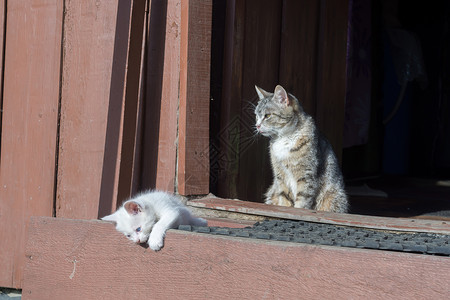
(281, 96)
(112, 218)
(132, 207)
(261, 93)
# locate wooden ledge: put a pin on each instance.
(223, 222)
(79, 259)
(260, 209)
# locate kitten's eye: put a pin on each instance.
(128, 235)
(138, 229)
(266, 116)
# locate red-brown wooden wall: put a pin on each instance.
(104, 98)
(30, 101)
(79, 93)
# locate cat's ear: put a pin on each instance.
(112, 218)
(261, 93)
(281, 96)
(132, 207)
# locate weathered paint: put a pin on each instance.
(385, 223)
(193, 122)
(88, 95)
(75, 259)
(29, 125)
(159, 153)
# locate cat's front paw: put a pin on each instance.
(156, 243)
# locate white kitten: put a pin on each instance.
(147, 217)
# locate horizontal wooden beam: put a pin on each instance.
(384, 223)
(79, 259)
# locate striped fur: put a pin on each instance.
(306, 171)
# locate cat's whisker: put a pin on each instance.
(249, 107)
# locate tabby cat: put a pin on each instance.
(305, 169)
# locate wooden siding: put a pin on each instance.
(87, 87)
(299, 55)
(131, 93)
(159, 149)
(75, 85)
(193, 123)
(29, 125)
(2, 44)
(331, 71)
(90, 259)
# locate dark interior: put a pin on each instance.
(408, 155)
(396, 144)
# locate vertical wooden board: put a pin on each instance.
(75, 259)
(260, 67)
(251, 57)
(227, 158)
(167, 143)
(131, 99)
(89, 36)
(2, 44)
(115, 120)
(331, 73)
(29, 125)
(193, 129)
(162, 94)
(298, 54)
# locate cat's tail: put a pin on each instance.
(198, 222)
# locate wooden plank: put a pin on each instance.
(252, 48)
(131, 100)
(228, 159)
(89, 96)
(385, 223)
(29, 125)
(161, 96)
(193, 129)
(138, 144)
(115, 117)
(2, 45)
(331, 73)
(298, 54)
(261, 66)
(75, 259)
(225, 222)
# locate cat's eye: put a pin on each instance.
(138, 229)
(266, 116)
(128, 235)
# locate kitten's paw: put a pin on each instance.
(268, 202)
(156, 243)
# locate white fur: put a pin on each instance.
(156, 213)
(281, 147)
(291, 181)
(281, 150)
